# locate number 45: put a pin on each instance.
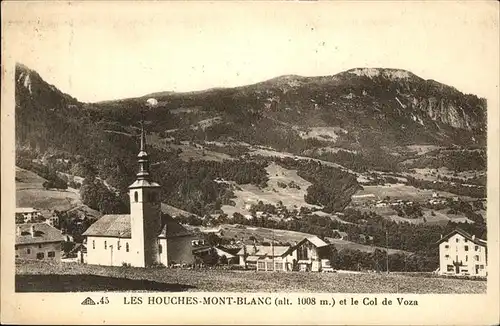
(104, 300)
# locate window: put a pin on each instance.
(105, 245)
(476, 257)
(93, 244)
(28, 251)
(446, 246)
(476, 248)
(160, 249)
(39, 246)
(269, 265)
(466, 248)
(51, 254)
(136, 196)
(127, 248)
(261, 265)
(118, 245)
(466, 258)
(449, 268)
(446, 256)
(457, 240)
(279, 266)
(40, 255)
(481, 266)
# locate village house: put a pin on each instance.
(203, 252)
(53, 220)
(198, 242)
(222, 252)
(38, 241)
(340, 235)
(142, 238)
(266, 258)
(461, 253)
(312, 254)
(27, 214)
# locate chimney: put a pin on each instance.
(32, 230)
(473, 237)
(441, 236)
(18, 231)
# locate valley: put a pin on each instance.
(373, 160)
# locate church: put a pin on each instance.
(142, 238)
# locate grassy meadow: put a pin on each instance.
(34, 276)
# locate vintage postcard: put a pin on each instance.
(259, 162)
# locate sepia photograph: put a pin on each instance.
(241, 148)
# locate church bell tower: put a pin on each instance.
(145, 212)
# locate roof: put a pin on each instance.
(231, 248)
(342, 233)
(42, 233)
(79, 247)
(171, 228)
(317, 241)
(25, 210)
(466, 235)
(113, 225)
(143, 184)
(174, 211)
(264, 251)
(221, 252)
(252, 258)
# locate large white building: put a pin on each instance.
(463, 254)
(310, 254)
(142, 238)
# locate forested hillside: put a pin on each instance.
(357, 133)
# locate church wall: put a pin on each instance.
(180, 250)
(109, 251)
(162, 256)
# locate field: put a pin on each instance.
(30, 193)
(435, 174)
(439, 217)
(188, 151)
(290, 197)
(73, 277)
(396, 191)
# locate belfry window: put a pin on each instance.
(136, 196)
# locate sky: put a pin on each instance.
(98, 52)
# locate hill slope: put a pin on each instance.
(357, 121)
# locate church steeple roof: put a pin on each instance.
(143, 176)
(143, 158)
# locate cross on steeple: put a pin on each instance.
(143, 157)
